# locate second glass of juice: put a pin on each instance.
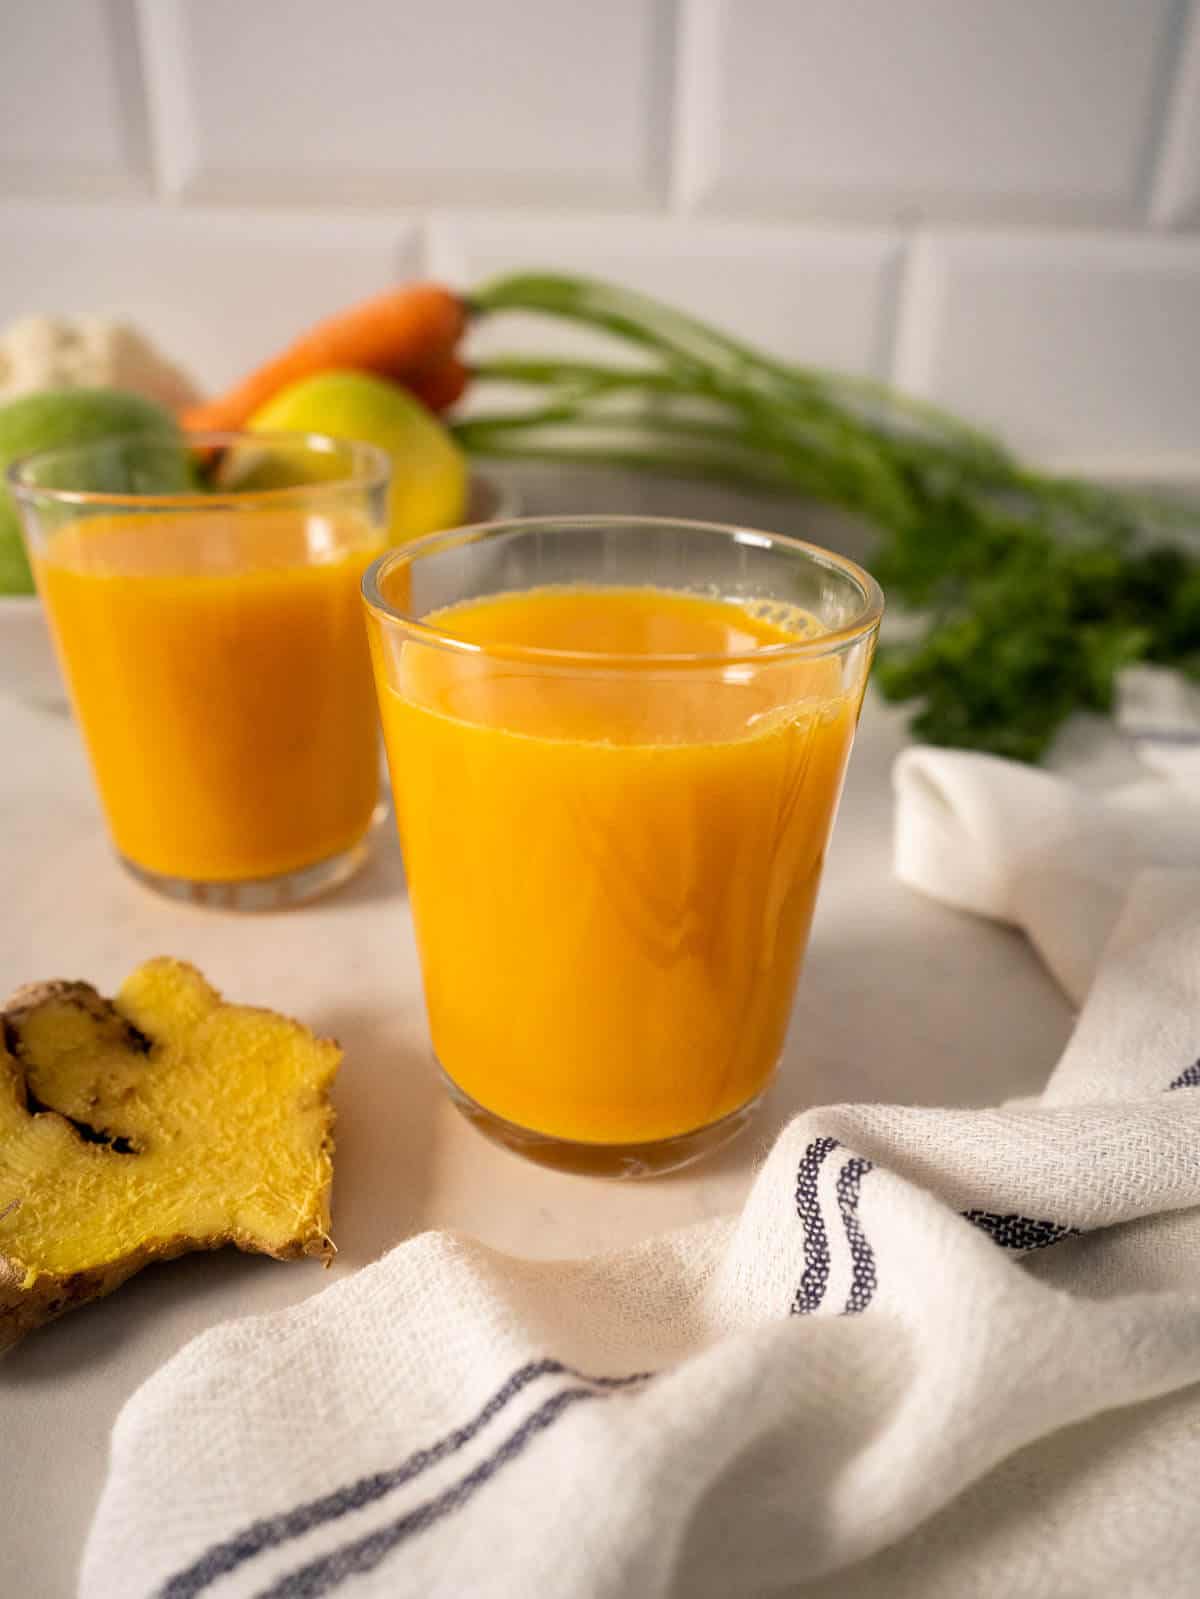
(213, 647)
(616, 748)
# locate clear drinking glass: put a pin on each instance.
(213, 647)
(616, 747)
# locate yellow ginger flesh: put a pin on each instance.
(159, 1122)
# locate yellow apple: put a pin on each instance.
(429, 471)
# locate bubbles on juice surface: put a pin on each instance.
(793, 620)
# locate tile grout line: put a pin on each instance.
(662, 112)
(164, 129)
(691, 75)
(1168, 107)
(898, 311)
(129, 72)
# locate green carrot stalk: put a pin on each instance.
(1037, 589)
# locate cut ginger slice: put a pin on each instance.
(140, 1128)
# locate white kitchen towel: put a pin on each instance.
(1039, 850)
(940, 1353)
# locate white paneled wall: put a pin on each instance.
(826, 295)
(385, 100)
(72, 115)
(1054, 335)
(1041, 109)
(218, 288)
(990, 201)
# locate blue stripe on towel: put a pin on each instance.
(320, 1576)
(271, 1531)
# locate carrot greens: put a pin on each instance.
(1033, 589)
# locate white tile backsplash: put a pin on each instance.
(469, 99)
(994, 201)
(220, 290)
(1035, 108)
(71, 116)
(822, 296)
(1076, 345)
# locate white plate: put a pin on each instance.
(29, 671)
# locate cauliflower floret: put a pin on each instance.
(43, 352)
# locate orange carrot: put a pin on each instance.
(439, 386)
(400, 334)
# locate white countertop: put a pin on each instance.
(900, 1000)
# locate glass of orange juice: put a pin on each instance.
(616, 747)
(213, 647)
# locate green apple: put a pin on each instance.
(429, 471)
(55, 418)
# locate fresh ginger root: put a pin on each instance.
(140, 1128)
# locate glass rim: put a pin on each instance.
(864, 623)
(369, 468)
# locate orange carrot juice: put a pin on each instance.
(219, 671)
(612, 874)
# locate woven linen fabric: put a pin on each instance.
(939, 1352)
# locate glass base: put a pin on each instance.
(278, 893)
(620, 1162)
